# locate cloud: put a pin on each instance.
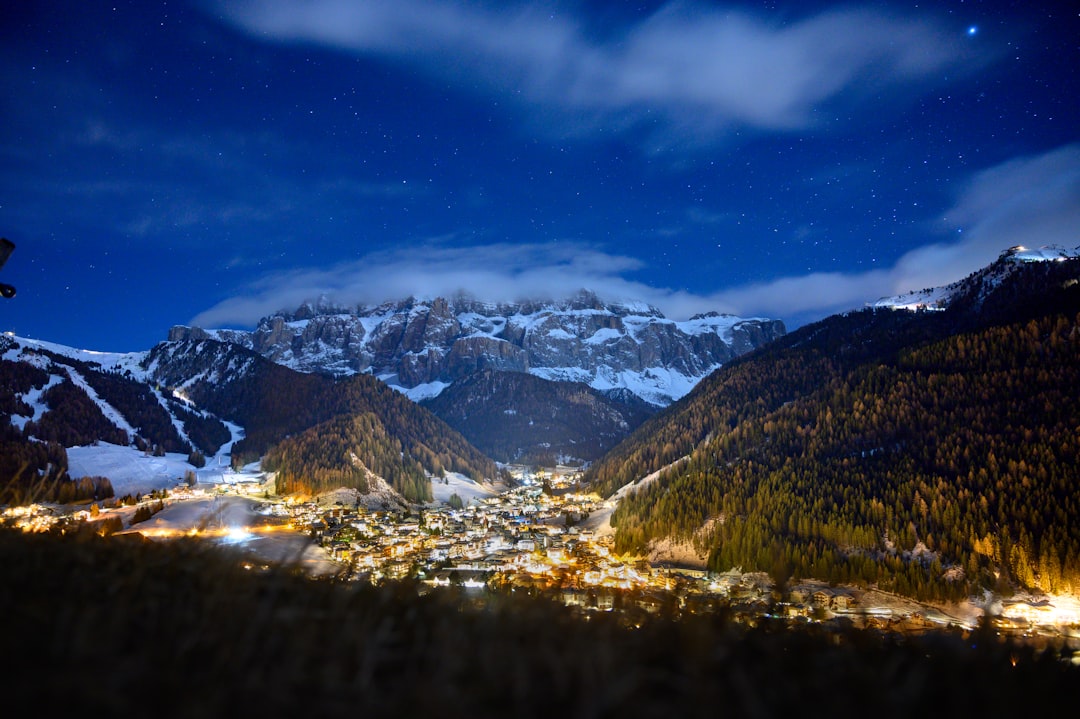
(1031, 201)
(497, 272)
(700, 69)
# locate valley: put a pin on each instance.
(901, 450)
(543, 537)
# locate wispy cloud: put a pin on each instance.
(700, 70)
(1033, 201)
(1030, 201)
(497, 272)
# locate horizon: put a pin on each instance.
(211, 163)
(327, 302)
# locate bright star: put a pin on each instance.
(972, 30)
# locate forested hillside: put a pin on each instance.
(518, 417)
(346, 452)
(929, 453)
(273, 402)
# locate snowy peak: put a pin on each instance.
(420, 346)
(36, 351)
(979, 284)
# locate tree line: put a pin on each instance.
(273, 403)
(346, 452)
(928, 452)
(960, 454)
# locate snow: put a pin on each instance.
(603, 336)
(563, 374)
(937, 298)
(565, 324)
(656, 385)
(599, 521)
(423, 391)
(239, 520)
(931, 299)
(481, 325)
(719, 324)
(132, 471)
(1046, 253)
(33, 398)
(107, 409)
(455, 483)
(119, 361)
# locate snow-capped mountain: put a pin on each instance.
(218, 404)
(421, 346)
(978, 283)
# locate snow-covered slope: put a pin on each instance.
(113, 421)
(421, 346)
(122, 362)
(938, 298)
(145, 420)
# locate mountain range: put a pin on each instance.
(422, 346)
(528, 382)
(207, 399)
(508, 379)
(926, 444)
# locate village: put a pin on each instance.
(536, 538)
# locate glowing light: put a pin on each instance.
(972, 30)
(236, 535)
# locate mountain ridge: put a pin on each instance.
(421, 346)
(928, 452)
(202, 398)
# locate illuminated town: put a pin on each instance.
(535, 539)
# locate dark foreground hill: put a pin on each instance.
(121, 626)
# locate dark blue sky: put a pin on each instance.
(210, 163)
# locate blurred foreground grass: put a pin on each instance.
(124, 626)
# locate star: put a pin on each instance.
(972, 30)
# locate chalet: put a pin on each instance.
(650, 602)
(794, 610)
(575, 597)
(842, 601)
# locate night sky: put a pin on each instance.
(210, 163)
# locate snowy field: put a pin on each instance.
(238, 522)
(134, 472)
(454, 483)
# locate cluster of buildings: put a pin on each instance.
(534, 539)
(529, 538)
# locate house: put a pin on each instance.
(842, 601)
(574, 597)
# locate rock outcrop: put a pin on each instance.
(420, 346)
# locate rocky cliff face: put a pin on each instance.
(421, 346)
